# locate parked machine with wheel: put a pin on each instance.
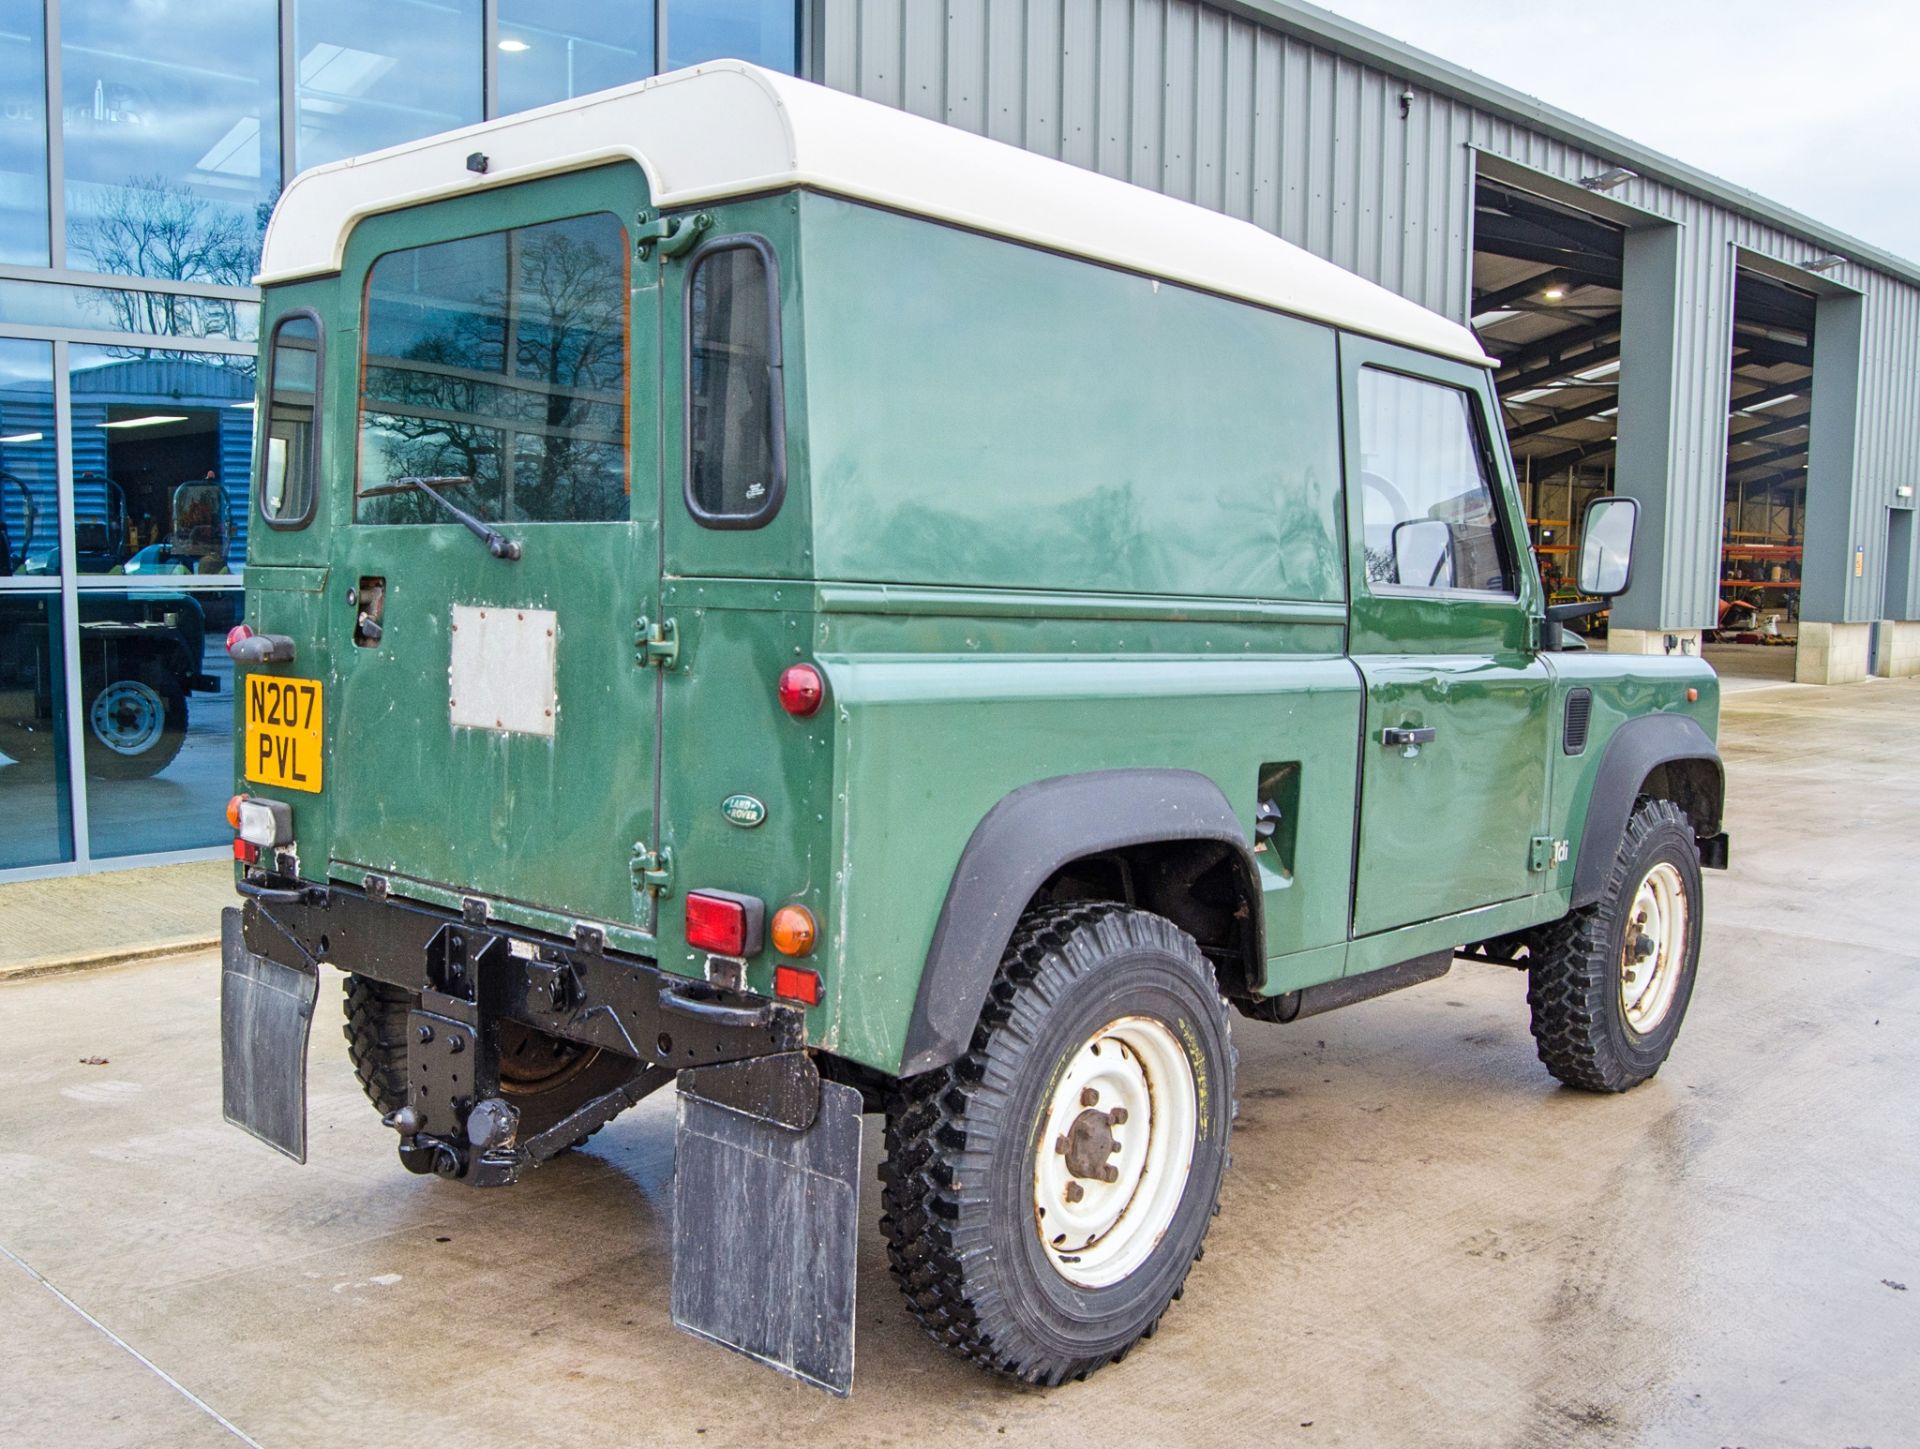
(141, 655)
(758, 591)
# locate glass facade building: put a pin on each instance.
(141, 149)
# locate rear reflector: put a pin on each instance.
(246, 852)
(797, 984)
(726, 924)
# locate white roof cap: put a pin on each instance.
(728, 128)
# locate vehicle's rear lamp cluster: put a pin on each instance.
(259, 823)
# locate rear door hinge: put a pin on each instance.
(674, 235)
(656, 642)
(652, 869)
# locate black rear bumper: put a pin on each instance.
(575, 989)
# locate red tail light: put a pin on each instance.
(726, 924)
(238, 634)
(246, 852)
(797, 984)
(801, 690)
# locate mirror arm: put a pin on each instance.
(1579, 609)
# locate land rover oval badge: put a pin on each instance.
(743, 810)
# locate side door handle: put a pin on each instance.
(1394, 735)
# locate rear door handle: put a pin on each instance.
(1394, 735)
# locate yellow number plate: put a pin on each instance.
(283, 731)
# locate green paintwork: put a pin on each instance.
(1042, 517)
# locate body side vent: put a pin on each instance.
(1573, 735)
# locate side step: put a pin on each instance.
(1331, 995)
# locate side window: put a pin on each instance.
(289, 452)
(736, 421)
(1429, 519)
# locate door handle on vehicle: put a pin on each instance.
(1407, 735)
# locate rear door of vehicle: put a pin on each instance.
(1453, 767)
(493, 730)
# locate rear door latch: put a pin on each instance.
(656, 642)
(652, 869)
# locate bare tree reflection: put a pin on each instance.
(521, 389)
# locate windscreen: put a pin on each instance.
(495, 368)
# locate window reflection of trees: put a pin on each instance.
(522, 388)
(151, 227)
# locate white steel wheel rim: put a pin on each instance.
(128, 717)
(1095, 1232)
(1654, 948)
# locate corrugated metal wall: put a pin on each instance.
(1322, 150)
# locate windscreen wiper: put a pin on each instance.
(498, 544)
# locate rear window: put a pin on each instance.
(287, 463)
(496, 368)
(736, 451)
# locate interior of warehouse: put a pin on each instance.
(1548, 290)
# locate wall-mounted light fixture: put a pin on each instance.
(1824, 263)
(1613, 176)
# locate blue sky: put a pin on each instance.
(1812, 105)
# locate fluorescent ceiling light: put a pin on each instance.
(1554, 294)
(241, 405)
(514, 47)
(22, 438)
(339, 71)
(151, 420)
(1532, 396)
(237, 153)
(1594, 374)
(1487, 319)
(1772, 402)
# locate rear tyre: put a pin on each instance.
(544, 1076)
(1609, 984)
(1046, 1195)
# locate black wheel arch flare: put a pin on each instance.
(1675, 755)
(1022, 843)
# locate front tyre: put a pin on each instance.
(1609, 984)
(1046, 1194)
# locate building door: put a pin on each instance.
(1454, 758)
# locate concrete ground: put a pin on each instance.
(69, 921)
(1423, 1239)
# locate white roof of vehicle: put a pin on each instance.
(728, 128)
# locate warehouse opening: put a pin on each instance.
(1546, 303)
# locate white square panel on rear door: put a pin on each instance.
(502, 674)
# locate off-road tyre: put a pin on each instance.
(961, 1217)
(1580, 1020)
(376, 1033)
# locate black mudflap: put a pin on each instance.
(765, 1220)
(266, 1010)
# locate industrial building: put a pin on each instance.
(1752, 376)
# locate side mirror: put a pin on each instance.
(1423, 553)
(1606, 546)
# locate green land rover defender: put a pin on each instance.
(755, 588)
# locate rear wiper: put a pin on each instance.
(498, 544)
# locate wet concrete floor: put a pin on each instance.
(1423, 1240)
